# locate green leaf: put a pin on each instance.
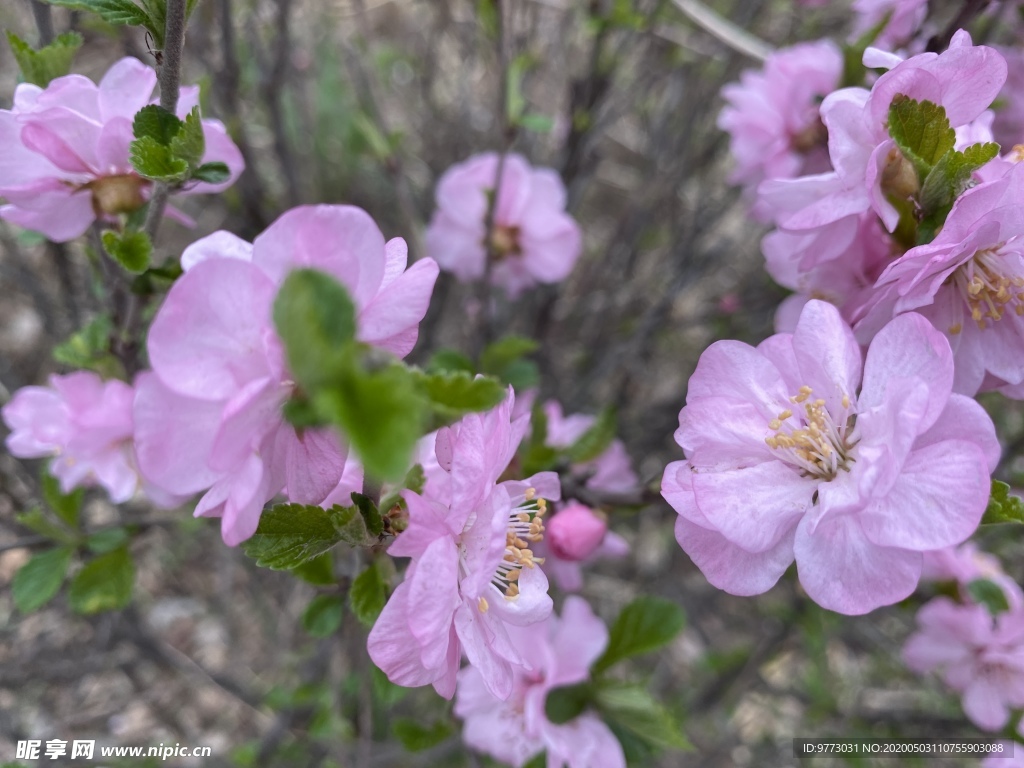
(853, 54)
(416, 737)
(644, 625)
(634, 709)
(921, 131)
(504, 351)
(111, 11)
(950, 177)
(157, 123)
(453, 394)
(449, 360)
(1002, 507)
(38, 580)
(537, 123)
(368, 595)
(381, 413)
(351, 526)
(323, 615)
(988, 593)
(595, 440)
(318, 571)
(289, 535)
(67, 506)
(36, 520)
(212, 173)
(189, 144)
(567, 702)
(104, 584)
(316, 320)
(152, 160)
(41, 66)
(371, 515)
(105, 541)
(384, 691)
(88, 347)
(132, 250)
(540, 760)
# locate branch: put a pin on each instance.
(733, 36)
(170, 84)
(44, 22)
(970, 9)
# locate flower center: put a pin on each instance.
(814, 441)
(525, 526)
(987, 289)
(505, 241)
(117, 194)
(810, 138)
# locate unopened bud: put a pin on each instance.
(899, 179)
(575, 532)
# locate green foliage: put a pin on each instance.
(155, 122)
(212, 173)
(171, 150)
(189, 144)
(1002, 507)
(854, 70)
(154, 161)
(289, 535)
(921, 130)
(631, 707)
(988, 593)
(416, 737)
(368, 594)
(452, 395)
(506, 360)
(41, 66)
(537, 455)
(568, 702)
(450, 360)
(106, 540)
(89, 348)
(67, 506)
(644, 625)
(104, 583)
(950, 177)
(318, 571)
(323, 615)
(38, 580)
(384, 691)
(38, 521)
(132, 250)
(151, 14)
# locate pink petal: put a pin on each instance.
(313, 462)
(401, 305)
(219, 245)
(125, 89)
(391, 644)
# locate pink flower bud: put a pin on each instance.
(575, 532)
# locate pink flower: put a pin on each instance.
(209, 415)
(473, 574)
(967, 563)
(905, 19)
(534, 239)
(969, 282)
(979, 655)
(559, 652)
(82, 421)
(66, 162)
(787, 460)
(610, 472)
(964, 80)
(771, 115)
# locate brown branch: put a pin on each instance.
(967, 14)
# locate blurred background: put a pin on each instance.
(367, 102)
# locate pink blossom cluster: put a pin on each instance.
(500, 218)
(65, 161)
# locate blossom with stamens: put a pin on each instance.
(65, 161)
(473, 571)
(532, 238)
(792, 454)
(969, 282)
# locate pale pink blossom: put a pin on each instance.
(771, 114)
(905, 18)
(533, 239)
(967, 563)
(66, 150)
(969, 282)
(610, 472)
(978, 654)
(559, 652)
(473, 574)
(208, 417)
(85, 424)
(797, 451)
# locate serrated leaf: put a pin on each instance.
(368, 595)
(351, 526)
(1002, 507)
(453, 394)
(189, 144)
(371, 515)
(105, 541)
(950, 177)
(644, 625)
(66, 505)
(88, 347)
(316, 320)
(634, 709)
(595, 440)
(289, 535)
(921, 130)
(323, 615)
(111, 11)
(157, 123)
(567, 702)
(416, 738)
(38, 580)
(989, 594)
(318, 571)
(104, 583)
(154, 161)
(212, 173)
(414, 480)
(449, 360)
(41, 66)
(133, 250)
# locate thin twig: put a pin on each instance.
(970, 9)
(733, 36)
(44, 22)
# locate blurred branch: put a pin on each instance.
(968, 12)
(44, 21)
(724, 30)
(272, 85)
